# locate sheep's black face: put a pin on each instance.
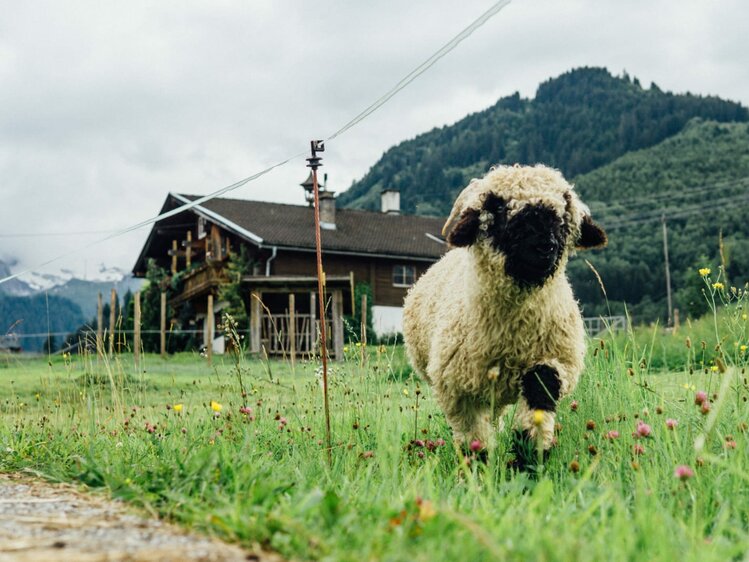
(532, 241)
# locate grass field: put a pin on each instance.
(179, 439)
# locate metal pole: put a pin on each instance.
(668, 271)
(313, 162)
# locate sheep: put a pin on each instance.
(494, 322)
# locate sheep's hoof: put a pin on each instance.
(526, 457)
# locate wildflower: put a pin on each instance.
(419, 443)
(573, 406)
(700, 397)
(687, 386)
(719, 286)
(638, 449)
(574, 466)
(714, 368)
(683, 472)
(671, 424)
(367, 454)
(643, 429)
(440, 442)
(704, 271)
(592, 450)
(744, 316)
(705, 407)
(405, 392)
(426, 510)
(245, 410)
(590, 424)
(476, 445)
(613, 434)
(345, 349)
(743, 349)
(730, 444)
(538, 417)
(177, 408)
(215, 406)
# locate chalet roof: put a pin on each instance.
(292, 226)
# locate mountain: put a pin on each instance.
(14, 287)
(28, 302)
(699, 180)
(577, 122)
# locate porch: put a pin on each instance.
(284, 314)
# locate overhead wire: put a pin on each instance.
(403, 83)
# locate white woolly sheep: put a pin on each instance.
(494, 322)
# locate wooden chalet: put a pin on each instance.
(387, 250)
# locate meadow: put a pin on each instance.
(651, 461)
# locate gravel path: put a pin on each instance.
(41, 521)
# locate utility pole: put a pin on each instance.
(668, 271)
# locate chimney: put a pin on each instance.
(390, 200)
(327, 210)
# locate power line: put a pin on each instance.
(405, 81)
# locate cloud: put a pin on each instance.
(109, 106)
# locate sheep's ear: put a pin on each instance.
(466, 229)
(591, 235)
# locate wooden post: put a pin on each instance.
(209, 329)
(174, 257)
(99, 324)
(292, 330)
(313, 322)
(112, 306)
(363, 328)
(136, 330)
(188, 250)
(338, 324)
(255, 321)
(162, 325)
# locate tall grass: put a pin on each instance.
(229, 451)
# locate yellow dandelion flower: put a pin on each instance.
(345, 349)
(538, 417)
(688, 386)
(719, 286)
(215, 406)
(177, 408)
(744, 316)
(742, 349)
(714, 368)
(705, 271)
(405, 392)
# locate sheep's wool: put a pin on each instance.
(473, 333)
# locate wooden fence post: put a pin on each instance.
(292, 330)
(363, 328)
(338, 324)
(313, 323)
(162, 326)
(209, 329)
(174, 257)
(99, 325)
(255, 321)
(136, 330)
(112, 306)
(188, 250)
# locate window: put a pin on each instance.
(404, 275)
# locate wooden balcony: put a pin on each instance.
(200, 281)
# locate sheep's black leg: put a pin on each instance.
(540, 387)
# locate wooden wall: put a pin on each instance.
(378, 272)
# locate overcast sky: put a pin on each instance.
(105, 107)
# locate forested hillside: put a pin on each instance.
(635, 154)
(577, 122)
(698, 180)
(38, 314)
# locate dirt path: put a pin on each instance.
(41, 521)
